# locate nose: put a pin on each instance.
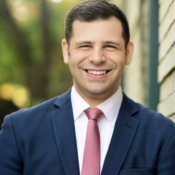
(97, 56)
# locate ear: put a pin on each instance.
(65, 49)
(129, 52)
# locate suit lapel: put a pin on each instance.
(64, 131)
(123, 135)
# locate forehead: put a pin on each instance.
(97, 30)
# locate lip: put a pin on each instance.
(97, 69)
(96, 76)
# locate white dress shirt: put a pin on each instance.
(106, 123)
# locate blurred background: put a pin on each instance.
(31, 61)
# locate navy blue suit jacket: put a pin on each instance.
(41, 141)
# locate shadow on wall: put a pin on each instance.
(6, 107)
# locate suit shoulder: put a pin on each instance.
(42, 108)
(30, 119)
(34, 115)
(154, 119)
(39, 112)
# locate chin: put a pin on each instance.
(96, 91)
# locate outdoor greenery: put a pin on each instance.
(30, 46)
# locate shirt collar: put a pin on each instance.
(109, 107)
(78, 103)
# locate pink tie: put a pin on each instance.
(91, 160)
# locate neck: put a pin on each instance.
(95, 99)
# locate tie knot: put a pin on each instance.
(93, 113)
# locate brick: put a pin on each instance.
(167, 87)
(167, 107)
(167, 43)
(174, 81)
(166, 23)
(166, 65)
(163, 8)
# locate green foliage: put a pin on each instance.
(13, 68)
(9, 61)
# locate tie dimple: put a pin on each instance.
(93, 113)
(91, 159)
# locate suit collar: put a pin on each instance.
(62, 99)
(129, 105)
(78, 104)
(109, 107)
(64, 132)
(122, 138)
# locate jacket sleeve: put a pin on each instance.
(10, 158)
(166, 165)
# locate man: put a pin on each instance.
(64, 136)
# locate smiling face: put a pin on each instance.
(96, 56)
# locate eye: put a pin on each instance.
(110, 46)
(85, 46)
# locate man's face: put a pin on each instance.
(97, 56)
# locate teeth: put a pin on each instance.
(97, 72)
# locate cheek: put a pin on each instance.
(116, 57)
(119, 64)
(78, 60)
(73, 65)
(83, 53)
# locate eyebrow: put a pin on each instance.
(106, 42)
(83, 42)
(112, 42)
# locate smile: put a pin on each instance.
(97, 72)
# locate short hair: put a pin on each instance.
(91, 10)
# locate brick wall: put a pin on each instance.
(167, 58)
(135, 75)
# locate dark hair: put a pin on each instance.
(90, 10)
